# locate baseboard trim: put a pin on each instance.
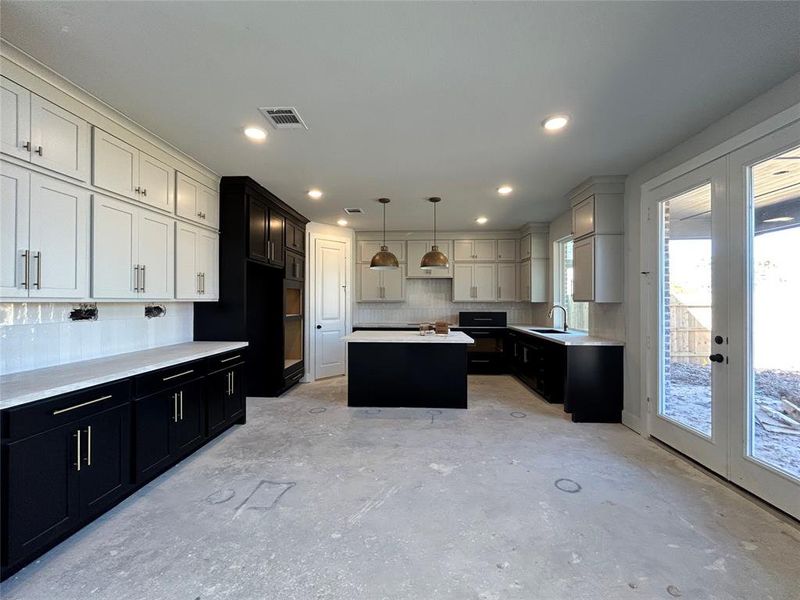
(632, 421)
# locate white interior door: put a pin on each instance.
(156, 255)
(330, 318)
(59, 239)
(14, 229)
(765, 323)
(114, 248)
(688, 218)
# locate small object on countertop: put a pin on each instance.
(424, 328)
(442, 328)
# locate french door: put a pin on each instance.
(725, 286)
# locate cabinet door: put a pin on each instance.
(277, 224)
(105, 459)
(41, 491)
(156, 255)
(114, 251)
(295, 237)
(153, 419)
(463, 290)
(583, 270)
(393, 283)
(15, 108)
(115, 164)
(235, 400)
(485, 249)
(208, 201)
(295, 266)
(207, 264)
(485, 277)
(156, 183)
(368, 249)
(187, 270)
(218, 386)
(507, 282)
(538, 274)
(507, 250)
(189, 430)
(369, 284)
(60, 139)
(59, 239)
(525, 247)
(463, 250)
(257, 246)
(525, 281)
(187, 198)
(14, 229)
(583, 218)
(416, 250)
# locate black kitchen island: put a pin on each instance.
(405, 369)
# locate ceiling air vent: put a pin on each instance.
(354, 211)
(283, 117)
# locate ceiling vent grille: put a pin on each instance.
(283, 117)
(354, 211)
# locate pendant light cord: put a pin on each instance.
(434, 223)
(384, 224)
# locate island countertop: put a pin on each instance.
(407, 337)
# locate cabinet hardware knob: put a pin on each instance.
(40, 150)
(26, 146)
(717, 358)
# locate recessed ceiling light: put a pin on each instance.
(555, 122)
(504, 190)
(315, 194)
(342, 222)
(481, 220)
(256, 134)
(778, 220)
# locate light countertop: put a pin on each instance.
(29, 386)
(407, 337)
(566, 339)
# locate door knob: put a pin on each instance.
(319, 326)
(718, 339)
(718, 358)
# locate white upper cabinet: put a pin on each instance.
(196, 202)
(583, 218)
(59, 139)
(156, 183)
(196, 263)
(45, 236)
(475, 282)
(506, 250)
(368, 249)
(525, 247)
(507, 282)
(417, 249)
(598, 269)
(14, 231)
(381, 286)
(115, 164)
(15, 119)
(598, 214)
(475, 250)
(156, 255)
(525, 281)
(36, 130)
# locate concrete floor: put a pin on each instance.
(508, 500)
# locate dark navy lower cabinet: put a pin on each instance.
(66, 460)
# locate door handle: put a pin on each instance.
(26, 146)
(228, 377)
(26, 261)
(40, 150)
(181, 404)
(144, 279)
(78, 451)
(175, 407)
(717, 358)
(319, 326)
(144, 191)
(198, 283)
(135, 278)
(38, 282)
(233, 382)
(89, 446)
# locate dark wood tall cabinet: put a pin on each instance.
(261, 290)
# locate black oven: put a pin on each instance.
(488, 329)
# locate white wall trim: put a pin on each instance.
(633, 422)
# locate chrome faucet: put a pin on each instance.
(550, 314)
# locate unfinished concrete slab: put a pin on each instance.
(507, 500)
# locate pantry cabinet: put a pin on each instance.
(475, 282)
(196, 263)
(197, 202)
(43, 133)
(133, 251)
(381, 286)
(417, 249)
(475, 250)
(44, 250)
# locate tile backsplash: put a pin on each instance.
(431, 300)
(35, 335)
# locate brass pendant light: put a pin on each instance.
(435, 259)
(384, 260)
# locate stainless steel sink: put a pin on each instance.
(537, 330)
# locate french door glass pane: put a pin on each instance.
(775, 291)
(686, 310)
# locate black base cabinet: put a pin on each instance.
(66, 460)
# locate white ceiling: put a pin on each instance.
(409, 100)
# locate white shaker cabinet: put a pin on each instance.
(196, 202)
(506, 250)
(133, 251)
(45, 236)
(368, 249)
(417, 249)
(196, 263)
(115, 164)
(43, 133)
(381, 286)
(475, 250)
(598, 269)
(475, 282)
(156, 183)
(507, 282)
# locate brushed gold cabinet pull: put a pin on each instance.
(82, 404)
(177, 375)
(78, 453)
(89, 446)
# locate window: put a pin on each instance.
(577, 312)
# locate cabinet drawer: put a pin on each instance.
(29, 419)
(153, 382)
(226, 360)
